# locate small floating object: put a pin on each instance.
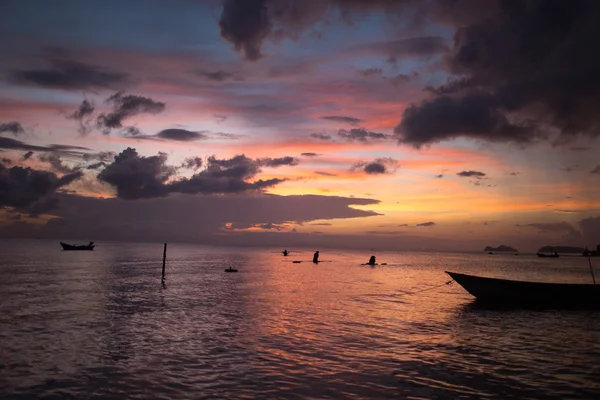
(296, 262)
(231, 270)
(383, 263)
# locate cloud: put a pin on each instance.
(30, 190)
(71, 75)
(217, 76)
(525, 70)
(376, 167)
(398, 80)
(269, 226)
(430, 223)
(345, 120)
(320, 136)
(277, 162)
(553, 227)
(13, 144)
(440, 176)
(361, 134)
(56, 162)
(246, 24)
(471, 174)
(590, 229)
(325, 173)
(411, 47)
(27, 155)
(125, 106)
(13, 127)
(136, 177)
(596, 170)
(83, 115)
(474, 115)
(181, 135)
(309, 154)
(185, 217)
(369, 72)
(194, 163)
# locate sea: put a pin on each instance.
(101, 325)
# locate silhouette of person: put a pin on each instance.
(371, 260)
(285, 252)
(316, 257)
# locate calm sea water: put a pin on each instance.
(99, 324)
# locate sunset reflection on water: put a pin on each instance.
(101, 323)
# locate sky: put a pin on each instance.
(383, 124)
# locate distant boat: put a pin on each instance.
(555, 255)
(66, 246)
(509, 292)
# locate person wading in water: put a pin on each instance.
(316, 257)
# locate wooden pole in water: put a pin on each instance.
(591, 269)
(164, 260)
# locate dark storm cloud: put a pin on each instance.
(181, 135)
(71, 75)
(248, 23)
(136, 176)
(430, 223)
(361, 134)
(471, 174)
(125, 106)
(343, 119)
(194, 163)
(309, 154)
(320, 136)
(528, 68)
(13, 127)
(217, 76)
(376, 167)
(27, 189)
(277, 162)
(225, 176)
(473, 115)
(245, 23)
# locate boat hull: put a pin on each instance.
(71, 247)
(504, 291)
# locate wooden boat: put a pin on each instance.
(507, 292)
(555, 255)
(66, 246)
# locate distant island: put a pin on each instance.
(561, 249)
(501, 248)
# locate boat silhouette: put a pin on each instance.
(67, 246)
